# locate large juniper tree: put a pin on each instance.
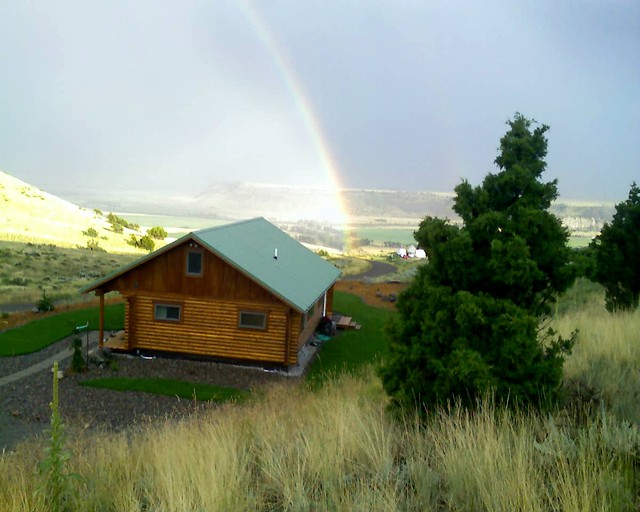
(617, 254)
(470, 322)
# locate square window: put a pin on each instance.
(249, 320)
(167, 312)
(194, 263)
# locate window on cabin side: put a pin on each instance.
(167, 312)
(252, 320)
(194, 263)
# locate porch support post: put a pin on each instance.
(101, 338)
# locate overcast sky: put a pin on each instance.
(179, 95)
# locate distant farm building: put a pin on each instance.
(245, 291)
(411, 252)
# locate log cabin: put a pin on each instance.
(245, 291)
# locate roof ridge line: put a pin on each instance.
(223, 226)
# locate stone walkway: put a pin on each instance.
(42, 365)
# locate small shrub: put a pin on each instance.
(78, 364)
(45, 303)
(118, 223)
(94, 245)
(91, 232)
(145, 242)
(18, 281)
(157, 232)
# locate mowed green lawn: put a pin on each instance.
(351, 350)
(170, 387)
(53, 327)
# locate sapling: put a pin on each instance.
(57, 485)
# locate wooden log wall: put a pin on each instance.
(127, 325)
(307, 330)
(209, 327)
(295, 321)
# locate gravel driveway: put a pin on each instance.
(24, 404)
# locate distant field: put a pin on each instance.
(579, 241)
(176, 226)
(378, 235)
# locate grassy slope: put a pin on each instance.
(28, 269)
(28, 214)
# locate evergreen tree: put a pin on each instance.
(469, 322)
(617, 254)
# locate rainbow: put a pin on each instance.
(336, 206)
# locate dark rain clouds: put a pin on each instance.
(407, 94)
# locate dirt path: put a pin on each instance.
(17, 307)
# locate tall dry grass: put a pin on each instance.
(605, 359)
(338, 449)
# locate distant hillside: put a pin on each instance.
(282, 203)
(369, 207)
(28, 214)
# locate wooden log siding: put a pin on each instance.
(312, 323)
(294, 336)
(127, 323)
(210, 327)
(166, 274)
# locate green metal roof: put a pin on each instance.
(298, 275)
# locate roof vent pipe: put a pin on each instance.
(275, 254)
